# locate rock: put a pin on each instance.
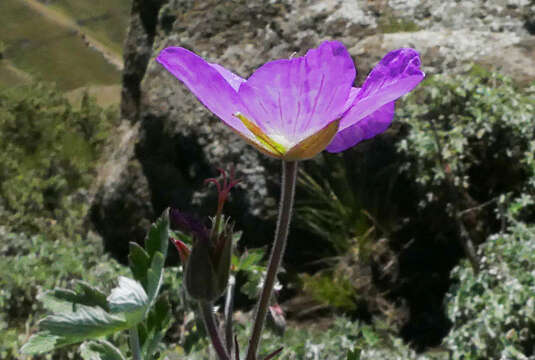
(121, 206)
(178, 143)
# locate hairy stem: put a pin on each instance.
(211, 328)
(134, 344)
(229, 307)
(289, 177)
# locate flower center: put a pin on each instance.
(268, 142)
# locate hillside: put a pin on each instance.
(76, 44)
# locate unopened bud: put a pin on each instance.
(208, 266)
(183, 250)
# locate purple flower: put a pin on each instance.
(294, 108)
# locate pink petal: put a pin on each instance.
(351, 98)
(214, 86)
(233, 79)
(366, 128)
(395, 75)
(292, 99)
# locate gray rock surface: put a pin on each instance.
(171, 142)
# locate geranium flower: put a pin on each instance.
(294, 108)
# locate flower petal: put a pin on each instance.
(364, 129)
(293, 99)
(351, 98)
(395, 75)
(312, 145)
(214, 86)
(233, 79)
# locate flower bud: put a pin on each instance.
(208, 266)
(183, 250)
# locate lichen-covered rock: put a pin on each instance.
(179, 143)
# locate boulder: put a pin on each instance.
(174, 143)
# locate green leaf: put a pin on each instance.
(155, 277)
(353, 354)
(70, 328)
(62, 300)
(139, 262)
(91, 296)
(158, 237)
(158, 321)
(251, 257)
(370, 336)
(40, 343)
(57, 300)
(130, 299)
(160, 314)
(127, 304)
(101, 350)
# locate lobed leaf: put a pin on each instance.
(158, 237)
(101, 350)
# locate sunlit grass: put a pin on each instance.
(50, 52)
(9, 76)
(106, 20)
(106, 95)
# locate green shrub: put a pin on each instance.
(310, 341)
(31, 264)
(493, 312)
(48, 151)
(477, 130)
(48, 154)
(344, 202)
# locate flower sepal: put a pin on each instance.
(207, 268)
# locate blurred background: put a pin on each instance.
(419, 243)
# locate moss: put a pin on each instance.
(391, 24)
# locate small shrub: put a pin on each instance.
(31, 264)
(48, 151)
(493, 312)
(477, 130)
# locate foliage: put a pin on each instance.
(340, 336)
(48, 152)
(88, 314)
(472, 133)
(29, 264)
(493, 312)
(477, 128)
(333, 289)
(250, 264)
(346, 203)
(332, 208)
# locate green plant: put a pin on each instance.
(469, 151)
(328, 339)
(30, 264)
(493, 312)
(476, 128)
(345, 201)
(48, 153)
(86, 314)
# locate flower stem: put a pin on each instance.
(289, 177)
(229, 307)
(211, 328)
(134, 344)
